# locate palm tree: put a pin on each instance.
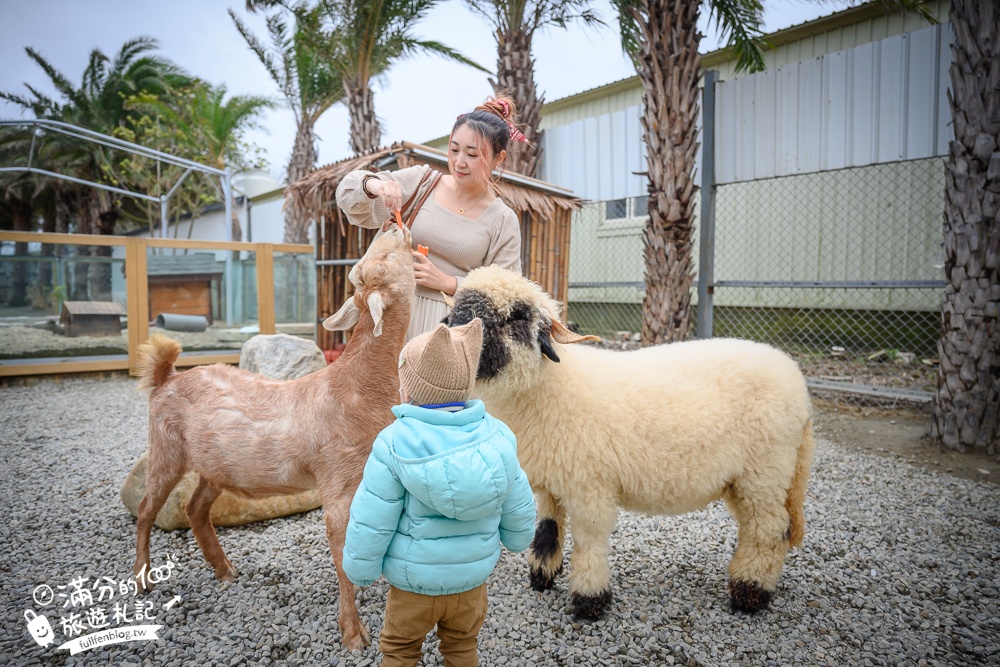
(98, 104)
(964, 412)
(201, 125)
(662, 38)
(309, 85)
(361, 40)
(514, 24)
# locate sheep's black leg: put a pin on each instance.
(762, 545)
(592, 518)
(591, 607)
(545, 557)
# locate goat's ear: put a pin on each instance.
(375, 307)
(343, 319)
(449, 300)
(563, 335)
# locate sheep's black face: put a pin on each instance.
(522, 327)
(470, 305)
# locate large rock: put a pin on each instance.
(281, 356)
(228, 510)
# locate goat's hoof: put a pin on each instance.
(142, 586)
(358, 642)
(226, 574)
(591, 607)
(748, 597)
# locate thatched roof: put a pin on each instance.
(315, 194)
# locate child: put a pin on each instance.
(441, 490)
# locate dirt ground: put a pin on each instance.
(901, 433)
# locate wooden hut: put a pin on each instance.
(545, 211)
(92, 318)
(182, 284)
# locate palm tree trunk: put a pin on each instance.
(86, 222)
(516, 77)
(366, 135)
(667, 63)
(99, 276)
(303, 161)
(22, 212)
(964, 412)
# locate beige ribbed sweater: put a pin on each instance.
(457, 244)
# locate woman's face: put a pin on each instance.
(470, 158)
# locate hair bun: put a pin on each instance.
(501, 106)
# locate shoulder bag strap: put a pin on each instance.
(430, 179)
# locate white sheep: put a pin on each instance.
(256, 437)
(662, 430)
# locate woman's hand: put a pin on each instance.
(389, 192)
(429, 276)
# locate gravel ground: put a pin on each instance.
(900, 567)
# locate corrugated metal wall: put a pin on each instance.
(876, 103)
(880, 83)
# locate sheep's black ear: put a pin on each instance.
(545, 344)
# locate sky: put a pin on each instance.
(416, 101)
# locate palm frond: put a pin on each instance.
(741, 22)
(61, 83)
(259, 50)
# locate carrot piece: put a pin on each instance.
(399, 219)
(423, 250)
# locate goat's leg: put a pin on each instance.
(199, 511)
(591, 522)
(763, 543)
(337, 511)
(545, 557)
(159, 484)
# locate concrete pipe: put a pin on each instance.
(176, 322)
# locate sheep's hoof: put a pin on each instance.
(542, 581)
(591, 607)
(747, 596)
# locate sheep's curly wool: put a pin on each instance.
(662, 430)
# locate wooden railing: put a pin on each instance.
(137, 297)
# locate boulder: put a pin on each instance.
(228, 510)
(281, 356)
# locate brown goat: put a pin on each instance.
(257, 437)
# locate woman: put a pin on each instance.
(463, 222)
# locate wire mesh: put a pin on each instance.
(843, 270)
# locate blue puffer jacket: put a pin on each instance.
(441, 491)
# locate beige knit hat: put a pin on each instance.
(440, 366)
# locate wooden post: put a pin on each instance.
(265, 288)
(137, 290)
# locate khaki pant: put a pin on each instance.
(410, 616)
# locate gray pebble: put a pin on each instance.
(899, 566)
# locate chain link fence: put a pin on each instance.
(841, 269)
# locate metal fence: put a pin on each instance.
(841, 269)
